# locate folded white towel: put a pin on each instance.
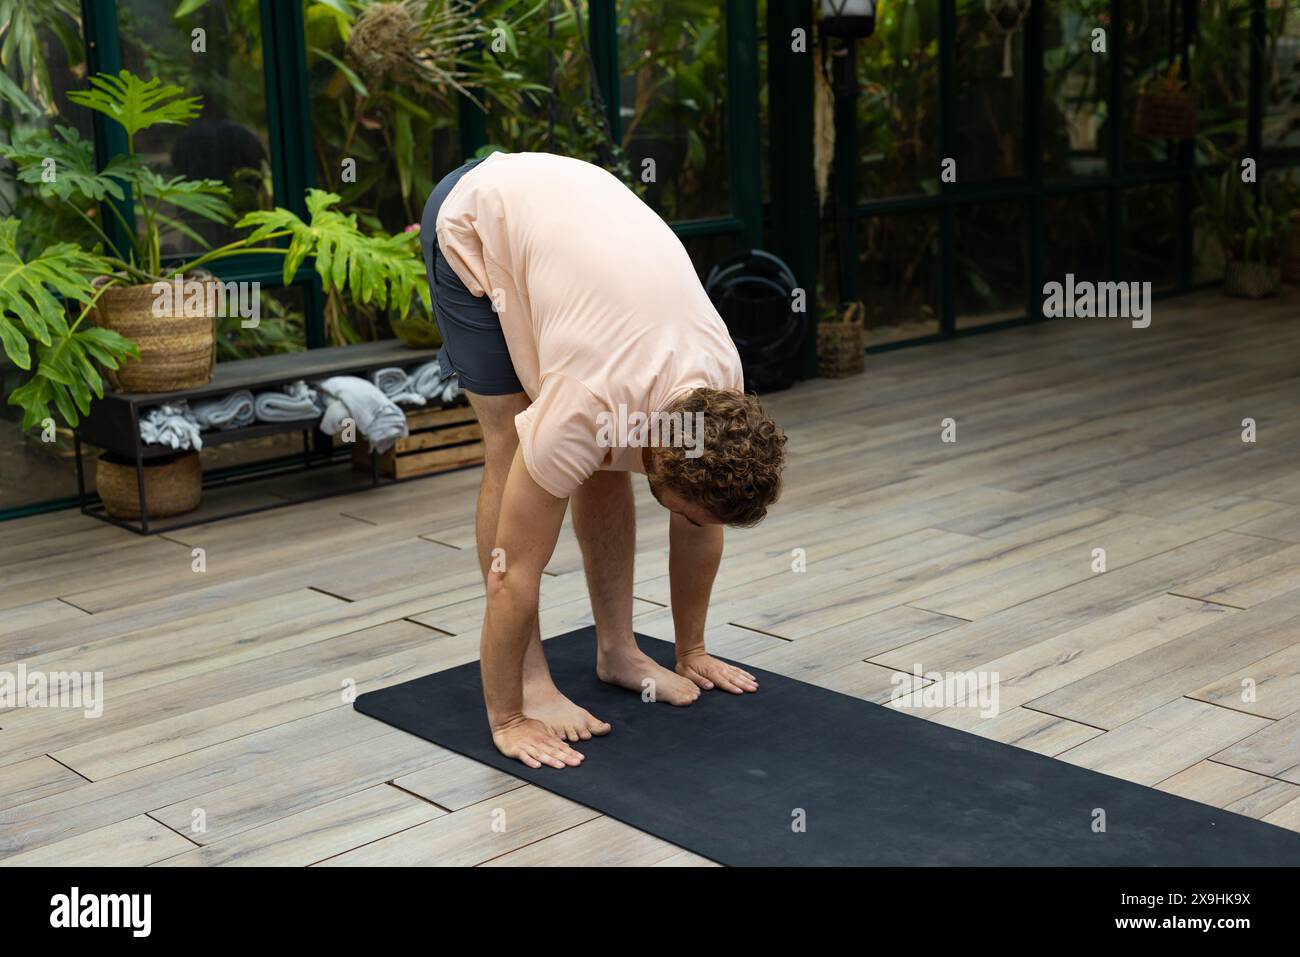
(293, 403)
(395, 384)
(233, 411)
(429, 381)
(376, 416)
(172, 425)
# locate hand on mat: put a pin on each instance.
(534, 744)
(708, 672)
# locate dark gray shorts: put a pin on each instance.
(473, 345)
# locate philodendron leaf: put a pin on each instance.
(384, 270)
(203, 197)
(64, 166)
(30, 289)
(135, 103)
(34, 298)
(66, 376)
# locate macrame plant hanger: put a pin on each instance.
(1009, 15)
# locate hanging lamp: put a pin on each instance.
(848, 18)
(1008, 15)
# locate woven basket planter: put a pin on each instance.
(1166, 114)
(841, 344)
(1291, 251)
(177, 351)
(1249, 280)
(172, 485)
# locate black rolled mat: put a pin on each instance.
(728, 777)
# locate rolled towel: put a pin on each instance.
(395, 384)
(293, 403)
(376, 416)
(428, 380)
(172, 425)
(451, 392)
(233, 411)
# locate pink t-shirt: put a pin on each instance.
(602, 310)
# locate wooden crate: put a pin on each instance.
(440, 439)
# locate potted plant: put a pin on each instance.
(125, 291)
(1249, 231)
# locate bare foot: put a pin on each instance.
(637, 671)
(547, 705)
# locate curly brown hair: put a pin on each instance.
(736, 474)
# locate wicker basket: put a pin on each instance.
(1249, 280)
(1166, 114)
(172, 485)
(841, 343)
(177, 351)
(1291, 251)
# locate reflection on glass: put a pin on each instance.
(1150, 48)
(1075, 237)
(898, 276)
(48, 60)
(1150, 236)
(989, 63)
(1074, 87)
(1221, 76)
(673, 112)
(555, 110)
(989, 283)
(280, 327)
(1282, 75)
(32, 105)
(228, 142)
(898, 102)
(381, 134)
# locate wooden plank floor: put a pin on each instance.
(227, 736)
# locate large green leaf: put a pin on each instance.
(135, 103)
(203, 197)
(66, 374)
(30, 290)
(34, 297)
(26, 30)
(72, 171)
(385, 270)
(12, 93)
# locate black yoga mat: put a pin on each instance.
(730, 776)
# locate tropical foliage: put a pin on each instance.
(1247, 228)
(375, 269)
(36, 295)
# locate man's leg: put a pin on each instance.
(604, 518)
(542, 700)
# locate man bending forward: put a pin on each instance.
(589, 350)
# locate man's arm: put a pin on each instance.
(527, 529)
(694, 552)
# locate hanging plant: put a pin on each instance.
(1167, 109)
(1008, 15)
